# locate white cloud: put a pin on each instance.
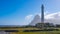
(52, 16)
(49, 17)
(28, 17)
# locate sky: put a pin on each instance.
(22, 12)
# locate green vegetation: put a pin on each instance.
(21, 31)
(51, 32)
(45, 32)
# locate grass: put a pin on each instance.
(51, 32)
(21, 31)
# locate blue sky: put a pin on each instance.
(14, 12)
